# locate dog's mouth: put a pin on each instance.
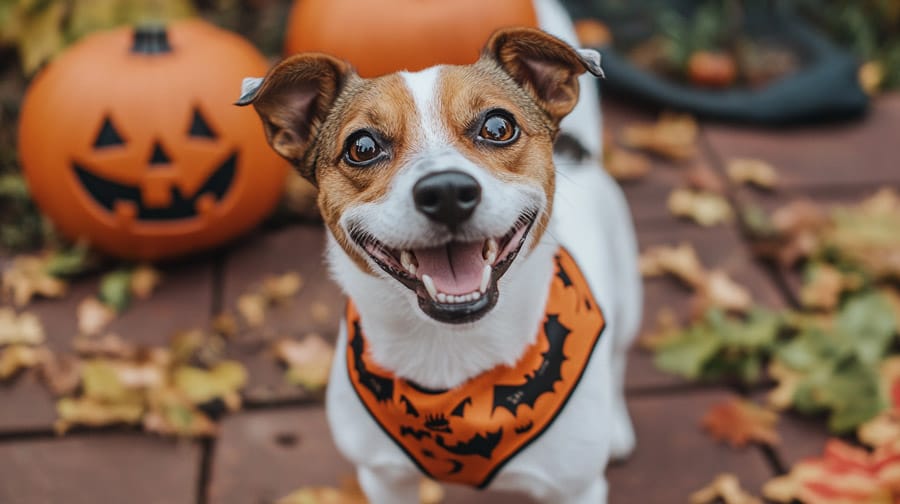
(456, 282)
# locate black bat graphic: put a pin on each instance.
(410, 409)
(460, 408)
(438, 423)
(522, 429)
(544, 377)
(561, 273)
(416, 433)
(382, 388)
(481, 445)
(457, 466)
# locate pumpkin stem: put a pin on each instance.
(151, 39)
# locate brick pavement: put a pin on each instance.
(280, 441)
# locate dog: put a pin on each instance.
(489, 263)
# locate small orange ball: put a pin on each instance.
(711, 69)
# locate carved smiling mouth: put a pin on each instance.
(455, 282)
(108, 193)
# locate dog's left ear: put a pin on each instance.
(544, 65)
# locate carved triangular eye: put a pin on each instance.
(199, 126)
(108, 136)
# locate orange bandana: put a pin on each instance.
(466, 434)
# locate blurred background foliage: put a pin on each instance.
(32, 32)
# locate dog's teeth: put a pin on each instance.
(485, 278)
(490, 252)
(408, 261)
(441, 297)
(429, 286)
(475, 295)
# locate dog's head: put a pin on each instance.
(433, 180)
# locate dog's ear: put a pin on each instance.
(293, 100)
(544, 65)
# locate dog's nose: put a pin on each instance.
(448, 197)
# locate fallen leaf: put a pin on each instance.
(871, 77)
(665, 331)
(15, 358)
(430, 492)
(109, 345)
(144, 280)
(24, 328)
(60, 373)
(725, 488)
(27, 277)
(680, 261)
(115, 289)
(739, 421)
(252, 308)
(720, 291)
(701, 177)
(592, 33)
(225, 324)
(782, 396)
(320, 312)
(843, 475)
(277, 289)
(94, 413)
(624, 165)
(673, 136)
(824, 285)
(223, 381)
(172, 414)
(308, 361)
(704, 208)
(349, 493)
(752, 171)
(93, 316)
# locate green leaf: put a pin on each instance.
(115, 289)
(688, 355)
(867, 322)
(72, 261)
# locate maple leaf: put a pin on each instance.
(673, 136)
(681, 261)
(843, 475)
(720, 291)
(279, 288)
(752, 171)
(704, 208)
(739, 421)
(724, 488)
(308, 361)
(27, 277)
(15, 358)
(824, 285)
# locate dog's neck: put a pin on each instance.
(437, 355)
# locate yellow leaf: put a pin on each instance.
(308, 361)
(144, 280)
(25, 328)
(706, 209)
(681, 261)
(93, 316)
(672, 136)
(252, 308)
(41, 36)
(752, 171)
(16, 358)
(721, 291)
(94, 413)
(200, 385)
(27, 277)
(279, 288)
(725, 488)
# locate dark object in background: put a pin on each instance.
(824, 87)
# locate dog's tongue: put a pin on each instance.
(456, 268)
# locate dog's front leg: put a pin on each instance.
(389, 486)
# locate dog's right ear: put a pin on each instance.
(293, 100)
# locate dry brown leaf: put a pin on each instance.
(680, 260)
(27, 277)
(16, 358)
(720, 291)
(673, 136)
(308, 361)
(725, 488)
(110, 345)
(624, 165)
(666, 329)
(430, 492)
(823, 287)
(349, 493)
(24, 328)
(93, 316)
(739, 422)
(252, 308)
(144, 280)
(225, 324)
(752, 171)
(704, 208)
(280, 288)
(60, 373)
(701, 177)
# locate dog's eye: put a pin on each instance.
(499, 129)
(362, 149)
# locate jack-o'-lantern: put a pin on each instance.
(384, 36)
(130, 141)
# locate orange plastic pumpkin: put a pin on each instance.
(130, 141)
(384, 36)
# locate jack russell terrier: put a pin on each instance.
(492, 283)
